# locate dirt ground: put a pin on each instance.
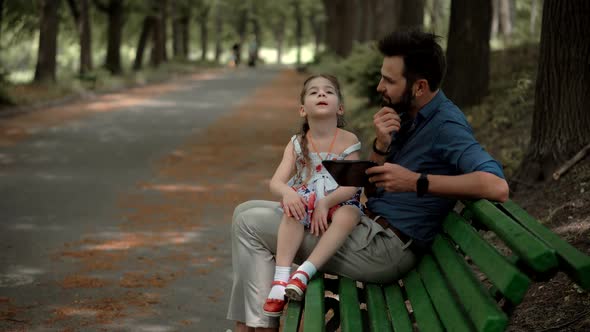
(564, 206)
(259, 128)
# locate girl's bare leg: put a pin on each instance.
(344, 221)
(290, 236)
(241, 327)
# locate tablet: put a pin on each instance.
(349, 173)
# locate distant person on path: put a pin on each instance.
(311, 199)
(236, 50)
(428, 158)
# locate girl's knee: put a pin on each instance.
(346, 214)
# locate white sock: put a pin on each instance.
(308, 268)
(282, 273)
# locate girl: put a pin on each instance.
(311, 199)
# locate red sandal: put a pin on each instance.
(274, 307)
(296, 288)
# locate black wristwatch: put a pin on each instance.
(379, 152)
(422, 185)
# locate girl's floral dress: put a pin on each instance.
(320, 183)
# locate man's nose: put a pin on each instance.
(380, 85)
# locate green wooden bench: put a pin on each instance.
(464, 284)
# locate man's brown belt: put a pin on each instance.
(386, 225)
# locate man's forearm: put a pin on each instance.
(469, 186)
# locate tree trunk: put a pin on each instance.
(203, 17)
(1, 15)
(533, 22)
(3, 99)
(82, 21)
(562, 93)
(204, 37)
(176, 11)
(218, 31)
(316, 28)
(158, 46)
(279, 32)
(146, 30)
(468, 52)
(495, 18)
(387, 17)
(280, 50)
(242, 25)
(298, 30)
(115, 27)
(85, 38)
(186, 28)
(370, 25)
(340, 26)
(164, 30)
(436, 15)
(177, 51)
(505, 18)
(411, 14)
(363, 17)
(48, 29)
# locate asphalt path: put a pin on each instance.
(64, 224)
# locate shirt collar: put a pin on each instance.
(433, 105)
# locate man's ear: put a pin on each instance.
(421, 87)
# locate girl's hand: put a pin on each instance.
(319, 220)
(294, 205)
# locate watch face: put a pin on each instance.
(422, 185)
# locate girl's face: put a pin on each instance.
(321, 99)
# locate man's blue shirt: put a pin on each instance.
(441, 143)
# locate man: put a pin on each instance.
(428, 158)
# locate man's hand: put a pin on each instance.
(393, 178)
(294, 205)
(386, 121)
(319, 220)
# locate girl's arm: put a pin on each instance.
(342, 194)
(278, 183)
(293, 204)
(319, 223)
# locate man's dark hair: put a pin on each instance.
(423, 56)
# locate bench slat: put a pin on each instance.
(378, 317)
(484, 313)
(575, 263)
(400, 318)
(425, 314)
(315, 315)
(293, 316)
(512, 283)
(530, 249)
(350, 311)
(441, 296)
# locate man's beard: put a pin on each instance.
(403, 106)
